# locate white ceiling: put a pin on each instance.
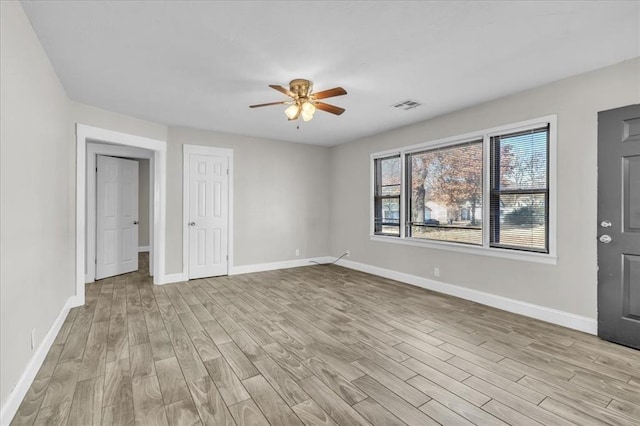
(201, 64)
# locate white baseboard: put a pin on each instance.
(246, 269)
(143, 249)
(170, 278)
(74, 301)
(554, 316)
(18, 393)
(259, 267)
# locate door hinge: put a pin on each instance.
(227, 172)
(96, 261)
(227, 257)
(96, 169)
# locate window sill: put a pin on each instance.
(548, 259)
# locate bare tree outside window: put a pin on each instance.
(446, 193)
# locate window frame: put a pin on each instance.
(486, 248)
(494, 194)
(378, 199)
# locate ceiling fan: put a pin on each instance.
(304, 102)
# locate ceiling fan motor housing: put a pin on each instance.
(301, 87)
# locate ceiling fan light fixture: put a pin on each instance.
(306, 116)
(292, 111)
(308, 108)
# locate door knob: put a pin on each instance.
(605, 239)
(135, 222)
(192, 224)
(605, 224)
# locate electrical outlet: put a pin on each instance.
(33, 339)
(297, 252)
(348, 253)
(436, 272)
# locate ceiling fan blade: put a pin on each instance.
(282, 90)
(268, 104)
(336, 91)
(329, 108)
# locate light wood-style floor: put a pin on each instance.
(320, 345)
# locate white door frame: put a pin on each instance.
(93, 149)
(187, 150)
(86, 134)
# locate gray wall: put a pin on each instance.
(281, 197)
(37, 195)
(143, 202)
(571, 284)
(98, 117)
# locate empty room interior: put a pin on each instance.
(320, 213)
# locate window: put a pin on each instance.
(387, 195)
(486, 192)
(519, 190)
(446, 193)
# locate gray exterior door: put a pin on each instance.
(619, 225)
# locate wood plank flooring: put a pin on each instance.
(320, 345)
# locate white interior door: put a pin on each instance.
(208, 215)
(116, 216)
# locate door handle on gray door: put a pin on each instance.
(192, 224)
(605, 224)
(135, 222)
(605, 239)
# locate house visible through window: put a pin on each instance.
(490, 190)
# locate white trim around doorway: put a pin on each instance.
(86, 134)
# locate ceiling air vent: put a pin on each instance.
(406, 105)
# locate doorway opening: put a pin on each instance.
(86, 138)
(97, 248)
